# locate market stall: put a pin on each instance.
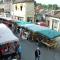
(40, 33)
(43, 33)
(19, 24)
(8, 40)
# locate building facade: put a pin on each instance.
(53, 21)
(23, 10)
(5, 7)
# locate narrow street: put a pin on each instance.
(28, 49)
(26, 26)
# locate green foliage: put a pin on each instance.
(45, 7)
(49, 6)
(55, 7)
(1, 1)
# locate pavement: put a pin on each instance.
(28, 51)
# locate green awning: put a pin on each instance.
(40, 29)
(22, 23)
(45, 31)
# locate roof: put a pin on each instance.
(55, 14)
(22, 1)
(6, 35)
(7, 19)
(39, 9)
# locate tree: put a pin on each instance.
(50, 7)
(45, 6)
(55, 6)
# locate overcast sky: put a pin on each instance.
(49, 1)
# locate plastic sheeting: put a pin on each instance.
(6, 35)
(35, 28)
(50, 33)
(43, 30)
(22, 23)
(40, 29)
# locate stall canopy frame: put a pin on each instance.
(45, 31)
(22, 23)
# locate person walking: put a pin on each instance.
(37, 54)
(21, 32)
(20, 52)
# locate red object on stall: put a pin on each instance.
(2, 50)
(42, 24)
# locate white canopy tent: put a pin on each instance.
(6, 35)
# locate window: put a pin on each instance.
(48, 23)
(55, 21)
(21, 8)
(16, 7)
(29, 19)
(55, 24)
